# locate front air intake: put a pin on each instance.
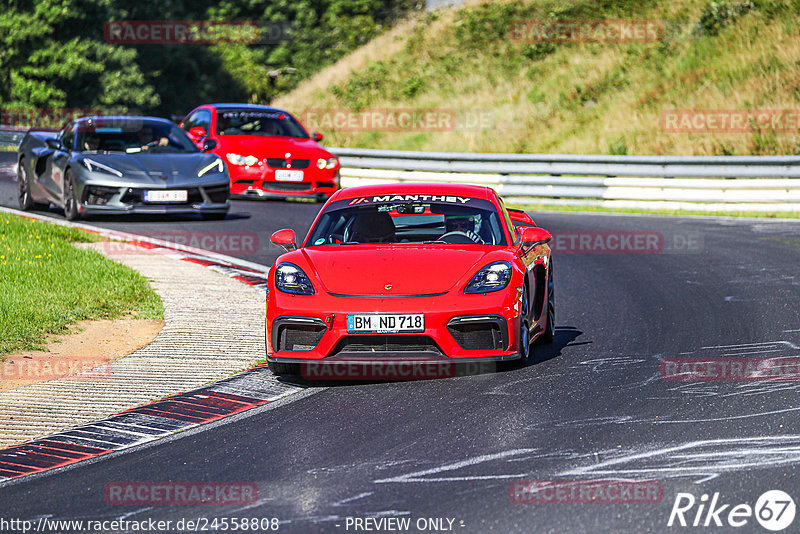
(479, 332)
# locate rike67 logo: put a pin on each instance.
(774, 510)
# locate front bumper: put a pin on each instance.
(463, 328)
(97, 198)
(258, 182)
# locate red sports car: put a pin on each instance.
(269, 153)
(410, 273)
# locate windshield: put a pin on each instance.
(132, 136)
(475, 221)
(258, 122)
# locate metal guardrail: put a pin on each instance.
(713, 183)
(708, 183)
(11, 137)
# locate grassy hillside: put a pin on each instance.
(572, 97)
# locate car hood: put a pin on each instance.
(270, 146)
(160, 169)
(409, 270)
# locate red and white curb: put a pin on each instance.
(146, 423)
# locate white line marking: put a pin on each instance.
(746, 452)
(745, 345)
(129, 514)
(753, 352)
(414, 476)
(706, 479)
(351, 499)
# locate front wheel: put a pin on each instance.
(70, 200)
(523, 338)
(549, 333)
(524, 349)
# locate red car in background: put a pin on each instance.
(268, 152)
(411, 273)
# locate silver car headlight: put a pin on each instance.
(217, 165)
(95, 166)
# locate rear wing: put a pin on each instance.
(520, 218)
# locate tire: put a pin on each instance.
(24, 196)
(549, 333)
(23, 188)
(524, 349)
(215, 216)
(284, 368)
(70, 201)
(523, 337)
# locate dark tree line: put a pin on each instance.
(53, 53)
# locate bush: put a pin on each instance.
(718, 14)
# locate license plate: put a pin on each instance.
(289, 176)
(166, 196)
(385, 323)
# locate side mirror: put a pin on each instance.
(209, 144)
(316, 136)
(53, 143)
(284, 239)
(533, 236)
(197, 131)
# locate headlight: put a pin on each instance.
(94, 166)
(290, 278)
(493, 277)
(216, 165)
(329, 163)
(237, 159)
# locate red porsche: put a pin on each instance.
(410, 273)
(268, 152)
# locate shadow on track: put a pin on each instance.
(564, 337)
(404, 371)
(140, 217)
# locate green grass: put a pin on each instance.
(47, 285)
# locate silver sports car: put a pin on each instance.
(101, 165)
